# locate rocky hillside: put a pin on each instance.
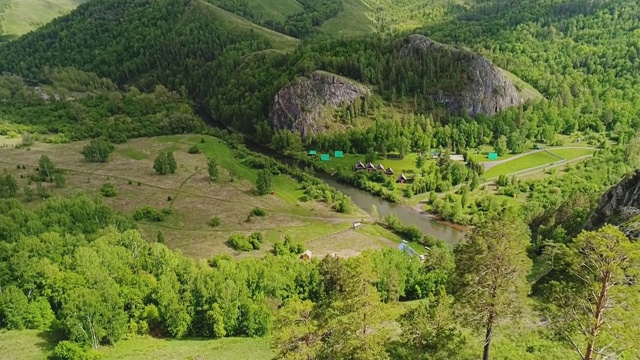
(305, 105)
(486, 89)
(620, 205)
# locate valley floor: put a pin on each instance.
(195, 200)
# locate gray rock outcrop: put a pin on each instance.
(305, 104)
(620, 205)
(487, 89)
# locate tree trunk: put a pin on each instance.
(598, 316)
(488, 336)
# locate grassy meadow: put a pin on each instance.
(276, 10)
(356, 19)
(523, 163)
(23, 16)
(194, 200)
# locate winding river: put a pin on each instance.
(406, 214)
(363, 199)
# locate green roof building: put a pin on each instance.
(338, 154)
(312, 152)
(325, 157)
(493, 156)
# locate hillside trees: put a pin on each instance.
(491, 270)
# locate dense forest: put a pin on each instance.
(526, 277)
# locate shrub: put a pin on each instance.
(215, 221)
(151, 214)
(194, 149)
(239, 242)
(97, 151)
(107, 190)
(67, 350)
(259, 212)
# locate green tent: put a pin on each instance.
(338, 154)
(312, 152)
(324, 157)
(493, 156)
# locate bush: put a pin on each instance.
(259, 212)
(67, 350)
(214, 222)
(239, 242)
(98, 151)
(151, 214)
(194, 149)
(107, 190)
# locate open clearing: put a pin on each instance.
(195, 200)
(525, 162)
(354, 20)
(277, 10)
(37, 345)
(26, 15)
(572, 153)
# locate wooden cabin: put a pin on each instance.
(389, 171)
(359, 166)
(401, 179)
(306, 255)
(371, 167)
(380, 167)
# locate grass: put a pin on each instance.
(523, 163)
(354, 20)
(482, 156)
(571, 154)
(277, 10)
(132, 154)
(25, 344)
(193, 198)
(234, 22)
(147, 348)
(26, 15)
(34, 344)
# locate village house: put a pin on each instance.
(401, 179)
(371, 167)
(359, 166)
(389, 171)
(380, 167)
(306, 255)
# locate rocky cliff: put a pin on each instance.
(306, 103)
(620, 205)
(486, 88)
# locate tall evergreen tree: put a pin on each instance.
(491, 270)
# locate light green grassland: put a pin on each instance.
(277, 10)
(571, 154)
(26, 15)
(133, 154)
(234, 22)
(354, 20)
(523, 163)
(37, 345)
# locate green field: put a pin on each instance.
(234, 22)
(37, 345)
(523, 163)
(277, 10)
(571, 154)
(26, 15)
(354, 20)
(482, 156)
(132, 154)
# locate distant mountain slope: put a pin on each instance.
(21, 16)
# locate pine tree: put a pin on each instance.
(491, 270)
(212, 169)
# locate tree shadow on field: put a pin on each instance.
(47, 340)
